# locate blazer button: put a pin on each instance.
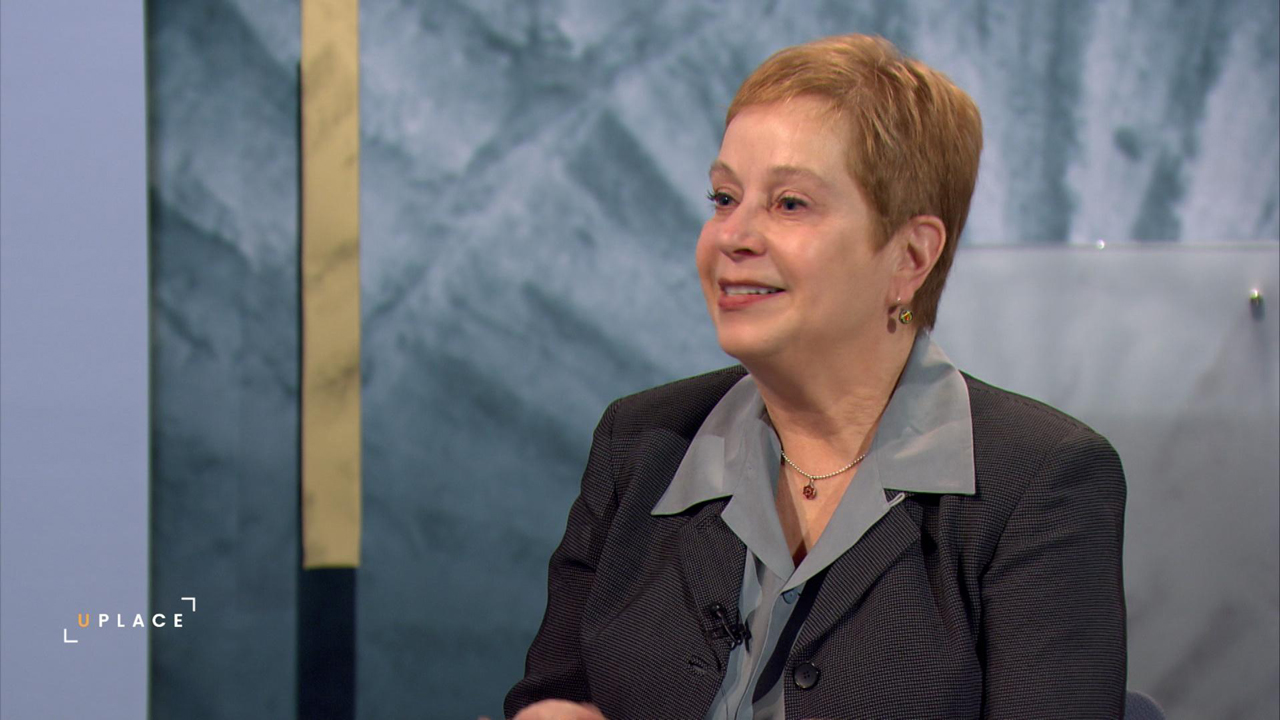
(806, 676)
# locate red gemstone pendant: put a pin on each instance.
(810, 492)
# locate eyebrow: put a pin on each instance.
(720, 167)
(777, 172)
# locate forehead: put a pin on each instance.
(802, 134)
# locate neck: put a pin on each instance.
(825, 406)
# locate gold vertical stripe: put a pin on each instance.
(330, 283)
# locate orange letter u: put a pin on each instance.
(82, 619)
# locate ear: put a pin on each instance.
(919, 241)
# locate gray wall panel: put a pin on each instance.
(1159, 349)
(73, 362)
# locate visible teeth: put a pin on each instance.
(749, 290)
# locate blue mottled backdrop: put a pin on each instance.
(533, 177)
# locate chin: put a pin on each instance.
(746, 346)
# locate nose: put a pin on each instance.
(740, 232)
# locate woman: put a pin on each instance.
(845, 525)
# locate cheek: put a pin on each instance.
(704, 254)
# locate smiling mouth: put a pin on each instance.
(734, 290)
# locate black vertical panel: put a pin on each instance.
(327, 644)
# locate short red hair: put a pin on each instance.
(914, 142)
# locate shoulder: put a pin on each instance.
(1015, 424)
(1022, 445)
(642, 438)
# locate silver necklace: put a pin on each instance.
(811, 492)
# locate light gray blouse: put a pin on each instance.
(924, 444)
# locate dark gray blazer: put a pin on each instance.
(1005, 604)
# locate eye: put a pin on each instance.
(790, 203)
(719, 199)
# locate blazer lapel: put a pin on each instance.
(849, 577)
(713, 559)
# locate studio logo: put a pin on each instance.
(92, 622)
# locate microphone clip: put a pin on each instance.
(735, 632)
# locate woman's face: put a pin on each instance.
(788, 261)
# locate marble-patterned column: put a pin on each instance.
(330, 284)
